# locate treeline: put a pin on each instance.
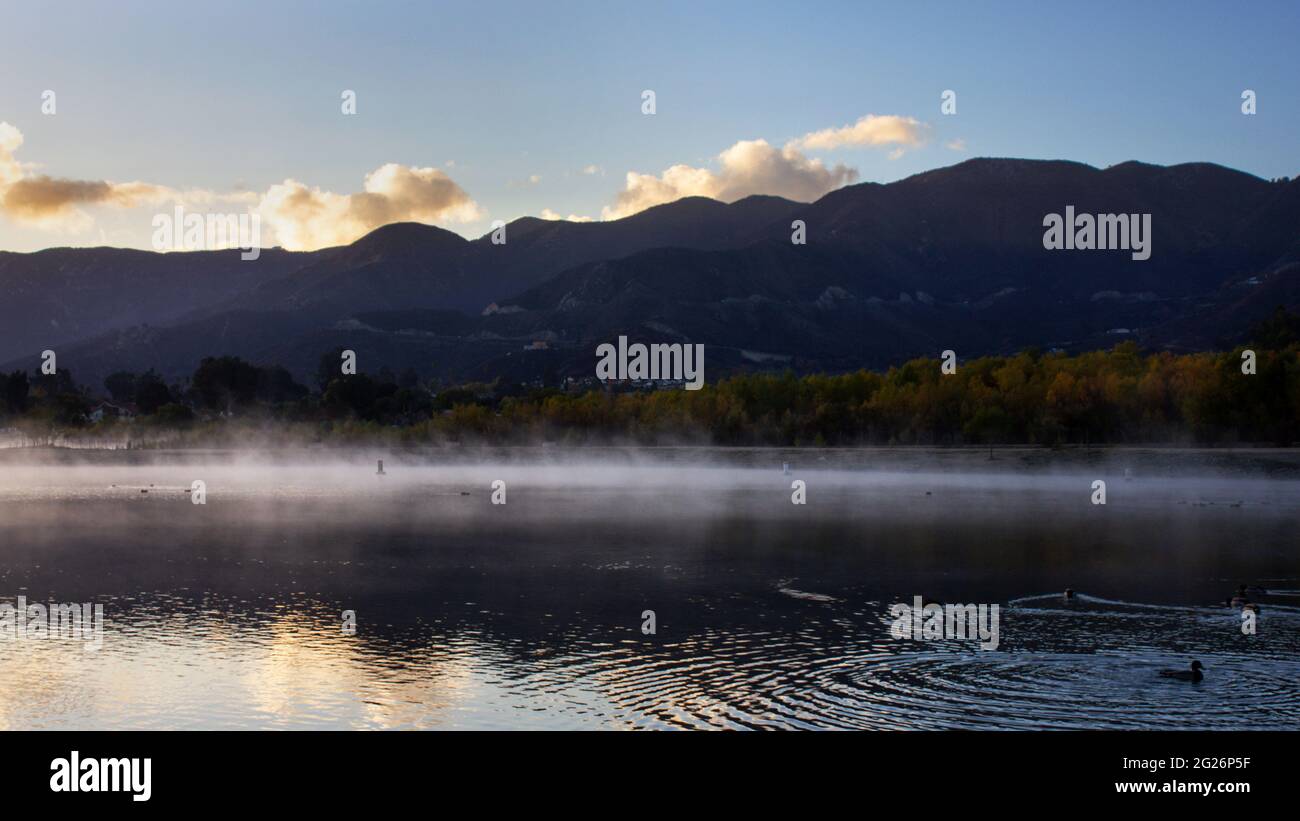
(1119, 396)
(1104, 397)
(228, 387)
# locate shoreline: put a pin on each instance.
(1141, 461)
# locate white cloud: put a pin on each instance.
(10, 139)
(756, 167)
(956, 145)
(871, 131)
(748, 167)
(548, 214)
(529, 182)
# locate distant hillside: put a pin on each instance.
(952, 258)
(60, 295)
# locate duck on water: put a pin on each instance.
(1242, 600)
(1194, 674)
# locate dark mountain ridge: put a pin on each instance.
(950, 258)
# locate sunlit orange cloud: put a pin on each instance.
(52, 202)
(756, 167)
(305, 219)
(748, 167)
(299, 217)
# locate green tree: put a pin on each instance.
(225, 382)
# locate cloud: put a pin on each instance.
(756, 167)
(10, 139)
(956, 145)
(748, 167)
(305, 219)
(529, 182)
(51, 202)
(43, 198)
(300, 217)
(592, 170)
(871, 131)
(548, 214)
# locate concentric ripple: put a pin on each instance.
(767, 614)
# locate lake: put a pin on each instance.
(767, 614)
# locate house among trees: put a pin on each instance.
(108, 410)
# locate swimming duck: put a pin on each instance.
(1069, 593)
(1194, 674)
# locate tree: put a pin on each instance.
(121, 386)
(15, 388)
(151, 393)
(352, 394)
(1280, 330)
(53, 384)
(174, 415)
(329, 368)
(225, 382)
(70, 410)
(276, 385)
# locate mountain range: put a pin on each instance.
(948, 259)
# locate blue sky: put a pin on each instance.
(511, 102)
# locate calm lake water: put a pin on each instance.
(768, 614)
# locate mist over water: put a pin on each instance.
(769, 614)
